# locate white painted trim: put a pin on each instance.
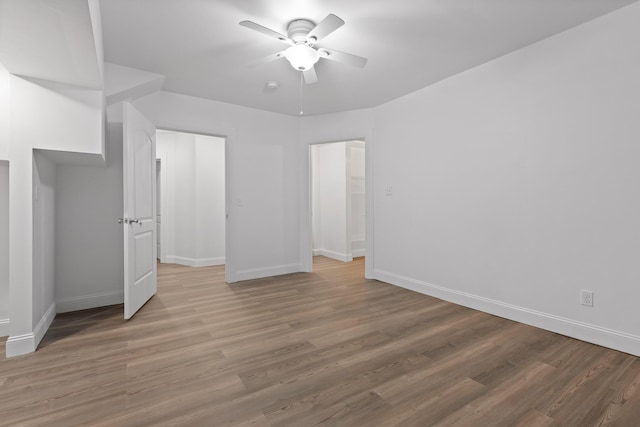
(258, 273)
(358, 248)
(229, 135)
(306, 229)
(43, 325)
(334, 255)
(84, 302)
(4, 327)
(617, 340)
(369, 196)
(194, 262)
(355, 253)
(20, 344)
(316, 252)
(229, 235)
(28, 343)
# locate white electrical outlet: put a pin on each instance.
(586, 298)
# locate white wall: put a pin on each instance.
(516, 184)
(210, 199)
(330, 208)
(263, 178)
(89, 241)
(44, 205)
(184, 195)
(194, 198)
(4, 248)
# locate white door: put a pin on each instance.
(139, 164)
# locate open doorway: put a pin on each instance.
(191, 198)
(338, 219)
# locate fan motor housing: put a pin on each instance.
(298, 29)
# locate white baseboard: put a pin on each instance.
(258, 273)
(194, 262)
(28, 343)
(358, 247)
(43, 325)
(65, 305)
(18, 345)
(4, 328)
(617, 340)
(355, 253)
(334, 255)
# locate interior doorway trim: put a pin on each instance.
(306, 230)
(229, 136)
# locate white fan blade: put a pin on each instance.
(264, 30)
(327, 26)
(347, 58)
(267, 59)
(310, 76)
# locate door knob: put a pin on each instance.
(129, 221)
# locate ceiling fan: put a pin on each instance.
(302, 53)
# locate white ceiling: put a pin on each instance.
(200, 48)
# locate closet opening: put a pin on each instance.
(338, 218)
(191, 210)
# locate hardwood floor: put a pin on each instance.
(324, 348)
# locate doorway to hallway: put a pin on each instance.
(338, 218)
(191, 198)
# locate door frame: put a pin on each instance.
(306, 230)
(162, 254)
(348, 201)
(229, 136)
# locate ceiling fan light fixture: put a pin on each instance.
(301, 56)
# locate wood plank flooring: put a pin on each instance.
(324, 348)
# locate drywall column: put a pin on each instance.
(22, 339)
(44, 189)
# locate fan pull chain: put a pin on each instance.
(301, 85)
